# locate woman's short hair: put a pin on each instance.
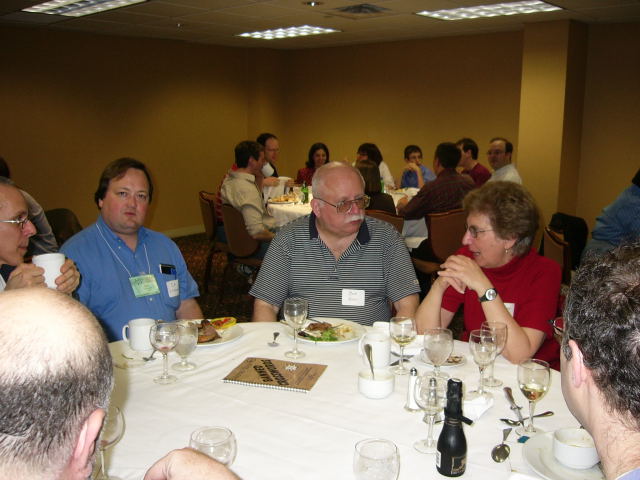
(371, 174)
(317, 146)
(511, 209)
(372, 151)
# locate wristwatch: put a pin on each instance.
(489, 295)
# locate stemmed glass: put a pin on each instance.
(438, 345)
(217, 442)
(430, 397)
(500, 331)
(112, 432)
(164, 337)
(403, 331)
(533, 379)
(295, 313)
(482, 344)
(376, 459)
(187, 343)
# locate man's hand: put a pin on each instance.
(69, 279)
(188, 464)
(26, 275)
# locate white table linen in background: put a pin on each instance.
(276, 190)
(289, 435)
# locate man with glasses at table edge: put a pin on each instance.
(15, 230)
(600, 361)
(499, 157)
(347, 265)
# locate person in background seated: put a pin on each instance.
(415, 175)
(497, 275)
(369, 151)
(499, 156)
(129, 271)
(318, 156)
(600, 361)
(56, 375)
(347, 265)
(373, 187)
(268, 175)
(469, 162)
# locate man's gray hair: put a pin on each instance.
(319, 178)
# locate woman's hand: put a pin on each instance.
(463, 271)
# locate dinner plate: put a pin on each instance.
(227, 335)
(538, 454)
(358, 331)
(290, 202)
(454, 360)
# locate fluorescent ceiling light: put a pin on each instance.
(289, 32)
(498, 9)
(78, 8)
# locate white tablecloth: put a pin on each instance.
(289, 435)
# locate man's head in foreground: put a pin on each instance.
(55, 382)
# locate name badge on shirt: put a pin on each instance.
(353, 297)
(173, 288)
(144, 285)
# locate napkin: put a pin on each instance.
(474, 409)
(521, 476)
(412, 349)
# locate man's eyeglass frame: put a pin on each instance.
(20, 222)
(361, 202)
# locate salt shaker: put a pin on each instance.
(411, 405)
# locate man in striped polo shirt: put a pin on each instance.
(346, 264)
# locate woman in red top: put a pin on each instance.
(497, 275)
(318, 156)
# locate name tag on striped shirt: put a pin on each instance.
(353, 297)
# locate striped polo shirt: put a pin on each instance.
(299, 264)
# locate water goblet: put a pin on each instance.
(533, 378)
(217, 442)
(295, 313)
(164, 337)
(187, 343)
(438, 345)
(500, 330)
(376, 459)
(403, 331)
(430, 397)
(482, 344)
(112, 432)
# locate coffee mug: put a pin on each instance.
(51, 262)
(138, 338)
(380, 348)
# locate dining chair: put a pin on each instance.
(396, 220)
(556, 248)
(64, 224)
(208, 210)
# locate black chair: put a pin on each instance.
(64, 224)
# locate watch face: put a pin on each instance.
(491, 294)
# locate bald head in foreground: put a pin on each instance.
(55, 382)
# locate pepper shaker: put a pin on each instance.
(411, 405)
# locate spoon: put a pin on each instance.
(367, 352)
(501, 452)
(516, 423)
(150, 357)
(274, 343)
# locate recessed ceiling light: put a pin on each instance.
(290, 32)
(312, 4)
(78, 8)
(498, 9)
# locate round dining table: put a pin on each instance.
(292, 435)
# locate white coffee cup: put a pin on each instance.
(138, 338)
(380, 348)
(51, 262)
(379, 387)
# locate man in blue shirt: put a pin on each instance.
(129, 271)
(415, 175)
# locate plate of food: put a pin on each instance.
(330, 331)
(454, 360)
(217, 331)
(283, 199)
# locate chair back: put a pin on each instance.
(557, 249)
(395, 220)
(64, 224)
(445, 232)
(240, 243)
(208, 211)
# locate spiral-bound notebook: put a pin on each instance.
(278, 374)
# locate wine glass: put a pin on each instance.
(376, 459)
(295, 313)
(186, 345)
(500, 331)
(403, 331)
(430, 397)
(533, 379)
(164, 337)
(112, 432)
(438, 345)
(482, 344)
(217, 442)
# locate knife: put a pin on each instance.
(509, 394)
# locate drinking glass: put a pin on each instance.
(402, 330)
(217, 442)
(430, 397)
(187, 343)
(500, 331)
(482, 344)
(164, 337)
(376, 459)
(533, 379)
(295, 313)
(112, 432)
(438, 345)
